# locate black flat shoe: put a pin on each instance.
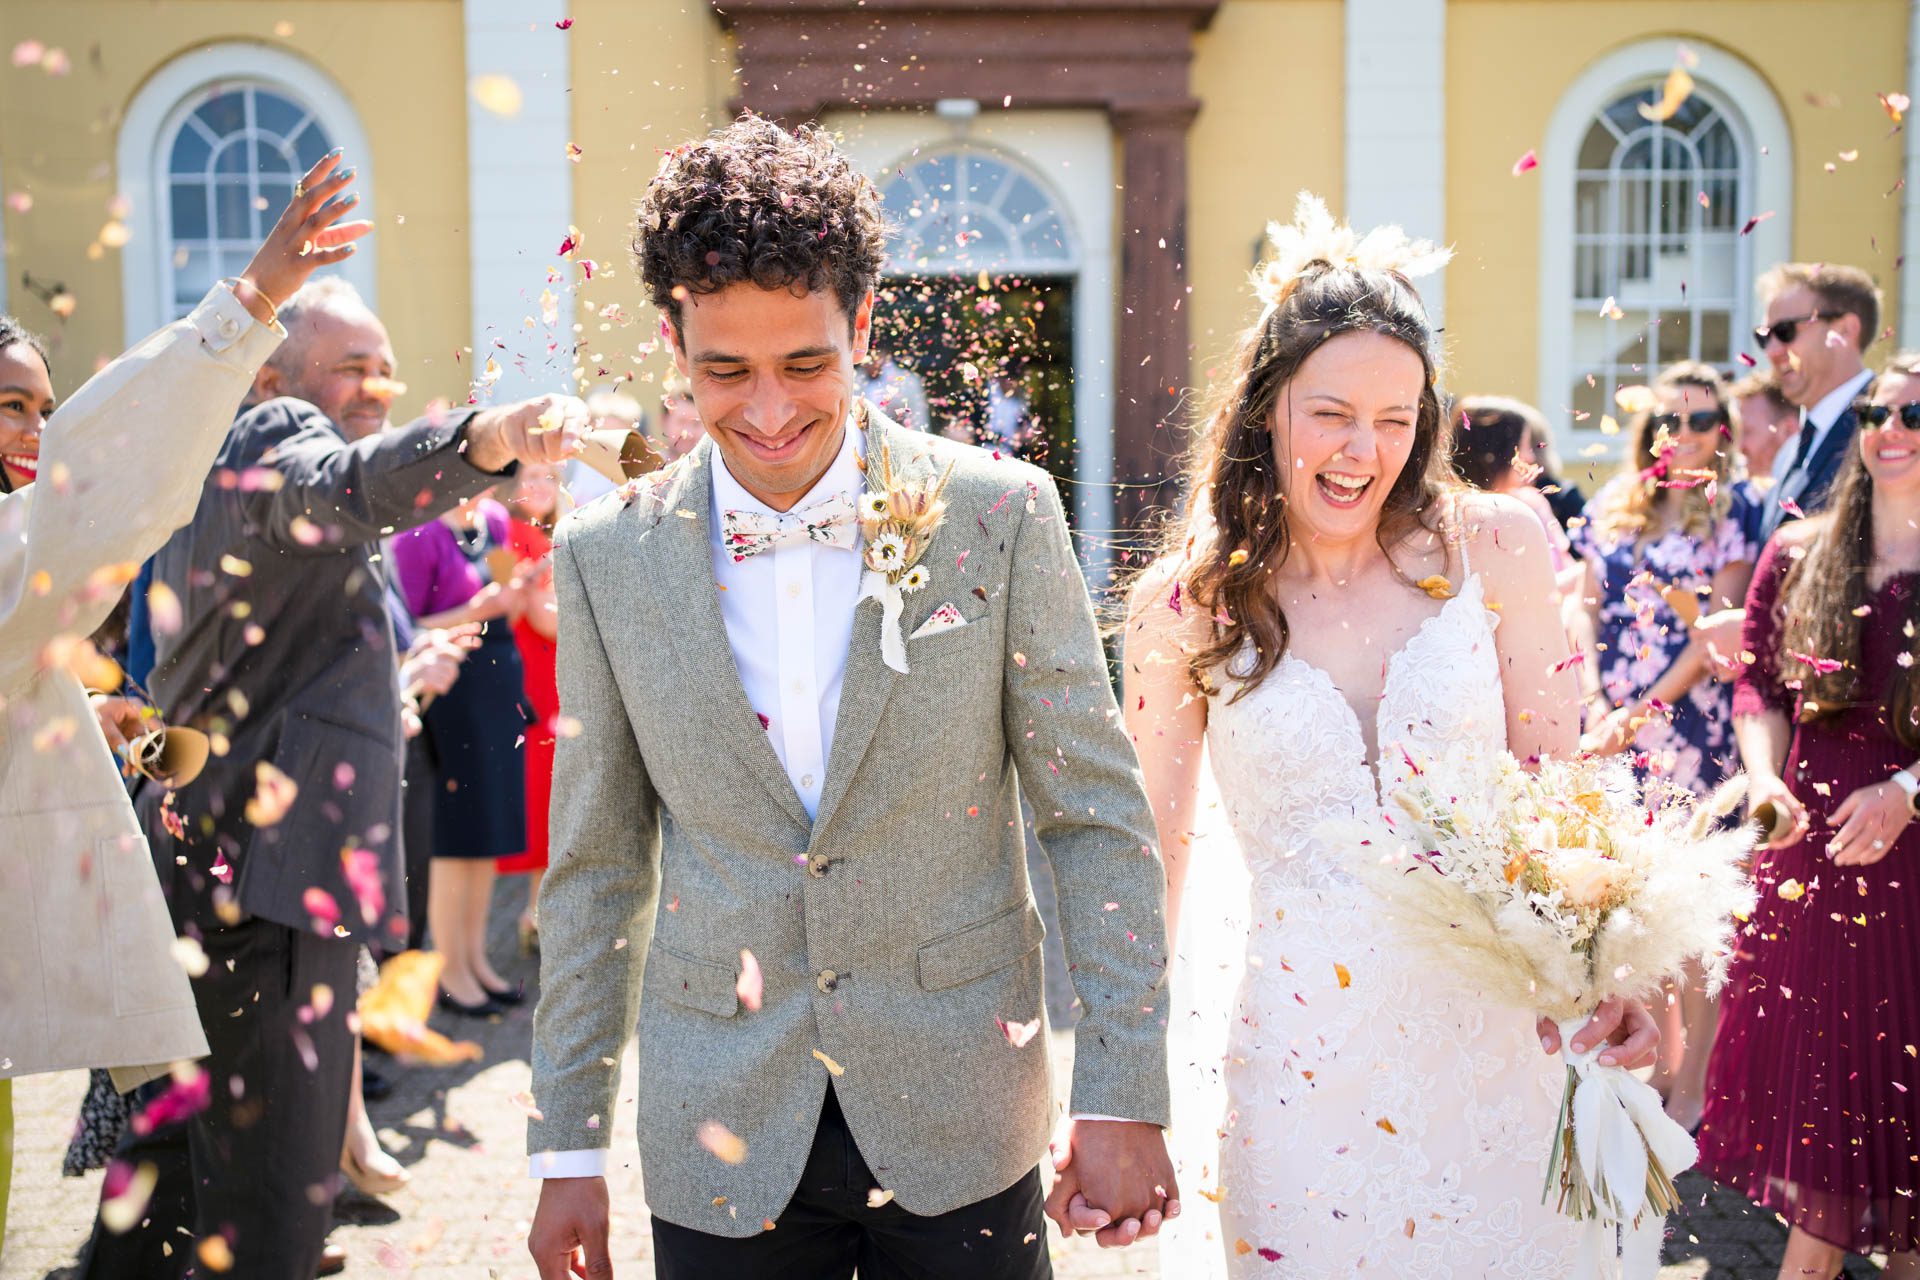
(513, 997)
(374, 1086)
(485, 1009)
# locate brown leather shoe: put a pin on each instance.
(333, 1260)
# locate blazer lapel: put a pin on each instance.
(868, 681)
(683, 571)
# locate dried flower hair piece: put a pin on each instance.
(1315, 237)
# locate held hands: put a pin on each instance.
(1625, 1024)
(1869, 821)
(1112, 1178)
(308, 236)
(570, 1229)
(544, 429)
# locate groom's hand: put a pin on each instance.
(1112, 1178)
(569, 1232)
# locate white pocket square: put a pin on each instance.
(945, 618)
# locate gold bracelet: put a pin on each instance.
(233, 282)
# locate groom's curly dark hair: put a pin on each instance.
(756, 202)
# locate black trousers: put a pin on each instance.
(260, 1165)
(827, 1231)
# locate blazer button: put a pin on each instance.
(828, 982)
(818, 865)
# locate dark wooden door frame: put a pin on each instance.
(1129, 58)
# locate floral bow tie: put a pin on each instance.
(830, 522)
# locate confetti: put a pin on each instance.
(1526, 163)
(1674, 93)
(750, 986)
(833, 1068)
(273, 795)
(498, 94)
(878, 1197)
(1896, 105)
(1018, 1033)
(722, 1144)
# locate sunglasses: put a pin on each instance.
(1787, 330)
(1701, 421)
(1876, 416)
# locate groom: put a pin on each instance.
(800, 866)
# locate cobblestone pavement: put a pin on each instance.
(465, 1216)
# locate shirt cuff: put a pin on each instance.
(568, 1164)
(224, 322)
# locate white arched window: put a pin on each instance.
(209, 153)
(967, 208)
(1644, 260)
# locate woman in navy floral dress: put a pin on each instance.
(1663, 544)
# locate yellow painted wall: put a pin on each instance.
(399, 62)
(1271, 77)
(1508, 64)
(646, 77)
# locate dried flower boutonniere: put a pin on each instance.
(898, 518)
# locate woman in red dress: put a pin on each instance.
(1813, 1093)
(535, 505)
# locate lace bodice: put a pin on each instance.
(1290, 754)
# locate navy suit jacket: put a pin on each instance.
(1807, 486)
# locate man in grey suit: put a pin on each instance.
(285, 853)
(787, 835)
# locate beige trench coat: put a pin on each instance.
(87, 978)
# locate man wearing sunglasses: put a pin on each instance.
(1820, 320)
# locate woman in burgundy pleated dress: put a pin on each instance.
(1813, 1094)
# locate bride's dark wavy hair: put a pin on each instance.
(1236, 483)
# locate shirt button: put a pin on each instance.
(818, 865)
(828, 982)
(793, 590)
(806, 779)
(228, 327)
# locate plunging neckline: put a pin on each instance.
(1371, 758)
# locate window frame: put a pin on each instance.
(1759, 127)
(144, 154)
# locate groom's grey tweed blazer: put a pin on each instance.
(897, 930)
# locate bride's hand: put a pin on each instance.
(1627, 1024)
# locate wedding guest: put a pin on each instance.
(1765, 423)
(1009, 422)
(286, 855)
(1821, 318)
(1812, 1107)
(477, 728)
(898, 392)
(535, 504)
(1663, 543)
(1561, 494)
(87, 975)
(1493, 449)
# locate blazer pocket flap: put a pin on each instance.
(980, 949)
(698, 984)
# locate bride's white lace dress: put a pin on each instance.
(1382, 1118)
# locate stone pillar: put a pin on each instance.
(1149, 412)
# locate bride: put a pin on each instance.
(1330, 607)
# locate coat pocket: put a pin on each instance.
(697, 984)
(980, 949)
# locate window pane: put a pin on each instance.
(309, 145)
(272, 161)
(231, 159)
(233, 210)
(190, 152)
(224, 114)
(189, 209)
(276, 114)
(276, 196)
(192, 276)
